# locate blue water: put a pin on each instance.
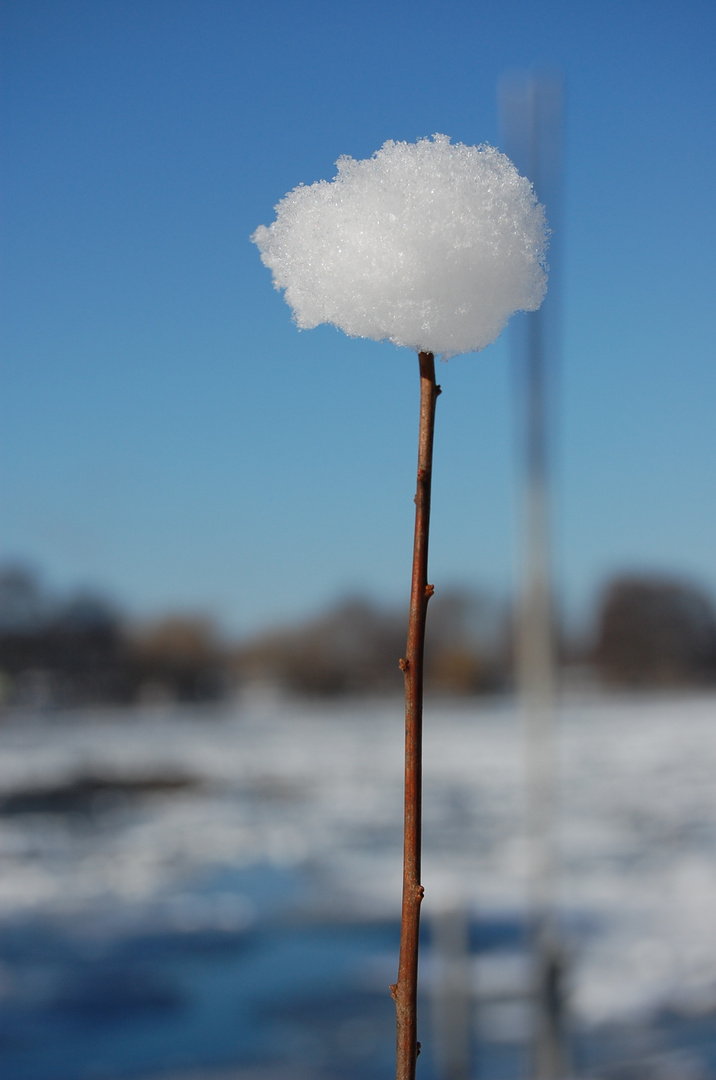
(101, 1002)
(157, 1000)
(112, 1001)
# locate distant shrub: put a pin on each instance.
(655, 631)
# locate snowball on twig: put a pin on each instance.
(429, 245)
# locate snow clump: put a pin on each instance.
(429, 245)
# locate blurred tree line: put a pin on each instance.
(355, 647)
(648, 632)
(79, 651)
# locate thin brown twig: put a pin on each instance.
(405, 991)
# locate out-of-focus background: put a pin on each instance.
(172, 441)
(205, 549)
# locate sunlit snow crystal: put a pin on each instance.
(427, 244)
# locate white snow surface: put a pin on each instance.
(318, 789)
(431, 245)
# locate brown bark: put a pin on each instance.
(405, 990)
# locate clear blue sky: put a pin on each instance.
(170, 438)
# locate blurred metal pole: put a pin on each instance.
(452, 993)
(531, 119)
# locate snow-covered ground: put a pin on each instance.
(318, 788)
